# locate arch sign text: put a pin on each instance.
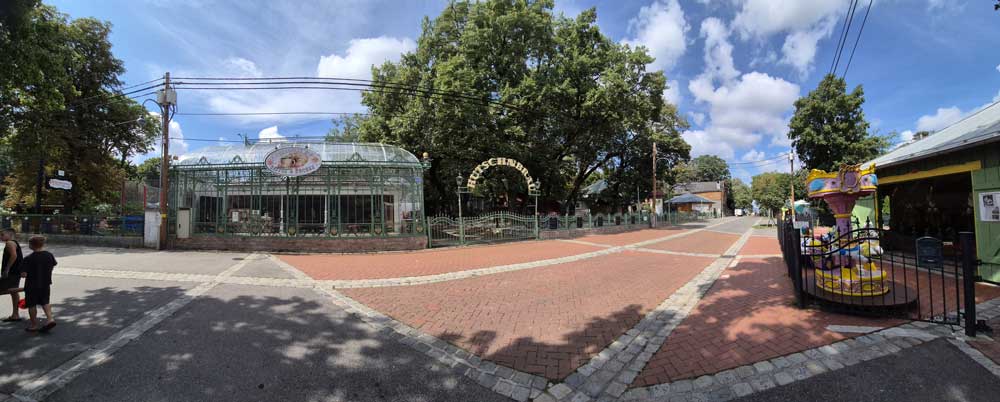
(478, 172)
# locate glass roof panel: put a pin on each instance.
(332, 152)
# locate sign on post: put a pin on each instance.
(929, 253)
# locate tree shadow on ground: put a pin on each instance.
(553, 360)
(747, 315)
(242, 343)
(83, 322)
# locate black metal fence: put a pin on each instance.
(853, 273)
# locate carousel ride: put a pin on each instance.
(842, 259)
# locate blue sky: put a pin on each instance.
(735, 66)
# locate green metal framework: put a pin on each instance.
(361, 190)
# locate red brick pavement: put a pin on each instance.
(547, 321)
(430, 262)
(746, 317)
(626, 238)
(760, 245)
(707, 242)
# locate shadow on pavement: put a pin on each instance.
(242, 343)
(83, 321)
(554, 360)
(932, 372)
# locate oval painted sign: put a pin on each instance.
(292, 161)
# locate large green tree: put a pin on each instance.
(773, 189)
(58, 79)
(829, 128)
(510, 78)
(706, 168)
(740, 194)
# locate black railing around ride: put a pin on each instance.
(853, 273)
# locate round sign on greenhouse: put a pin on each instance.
(293, 161)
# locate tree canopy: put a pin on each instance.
(706, 168)
(829, 128)
(771, 189)
(58, 79)
(510, 78)
(741, 195)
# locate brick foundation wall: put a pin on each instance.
(102, 241)
(300, 244)
(571, 233)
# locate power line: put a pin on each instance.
(843, 36)
(862, 29)
(274, 113)
(778, 156)
(141, 83)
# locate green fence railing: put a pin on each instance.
(81, 225)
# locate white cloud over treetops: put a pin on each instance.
(661, 28)
(742, 107)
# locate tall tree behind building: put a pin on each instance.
(829, 128)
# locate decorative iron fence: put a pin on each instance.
(589, 221)
(489, 228)
(852, 273)
(85, 225)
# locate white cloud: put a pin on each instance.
(178, 146)
(661, 28)
(697, 118)
(944, 5)
(943, 118)
(361, 55)
(906, 136)
(703, 143)
(998, 67)
(270, 133)
(753, 156)
(355, 62)
(672, 94)
(742, 108)
(803, 22)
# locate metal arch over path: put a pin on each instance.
(533, 185)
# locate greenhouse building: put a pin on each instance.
(298, 195)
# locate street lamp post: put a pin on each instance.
(459, 189)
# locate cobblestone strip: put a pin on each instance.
(505, 381)
(422, 280)
(760, 376)
(607, 375)
(767, 374)
(55, 379)
(650, 250)
(585, 243)
(120, 274)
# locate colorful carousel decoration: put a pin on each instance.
(843, 264)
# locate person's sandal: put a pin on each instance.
(47, 327)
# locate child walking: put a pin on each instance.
(37, 271)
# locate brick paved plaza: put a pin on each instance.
(614, 316)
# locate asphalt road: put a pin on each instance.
(933, 372)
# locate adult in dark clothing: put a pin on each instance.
(37, 271)
(10, 272)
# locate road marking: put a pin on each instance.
(852, 329)
(58, 377)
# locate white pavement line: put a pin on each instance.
(122, 274)
(748, 256)
(853, 329)
(651, 250)
(585, 243)
(58, 377)
(608, 374)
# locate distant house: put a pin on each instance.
(712, 191)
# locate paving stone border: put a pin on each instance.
(607, 375)
(58, 377)
(760, 376)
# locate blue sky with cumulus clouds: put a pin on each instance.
(735, 66)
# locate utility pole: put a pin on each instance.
(166, 98)
(791, 183)
(653, 202)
